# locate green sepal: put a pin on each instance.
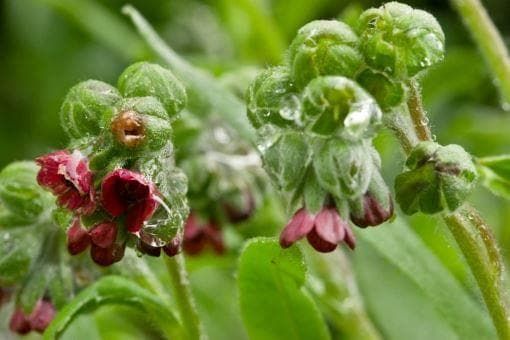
(321, 48)
(343, 168)
(272, 99)
(287, 159)
(145, 79)
(313, 193)
(400, 40)
(337, 106)
(386, 91)
(20, 194)
(81, 111)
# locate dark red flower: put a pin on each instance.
(127, 192)
(173, 247)
(77, 238)
(197, 236)
(41, 316)
(19, 322)
(323, 231)
(107, 256)
(103, 234)
(373, 212)
(68, 177)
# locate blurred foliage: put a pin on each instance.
(44, 50)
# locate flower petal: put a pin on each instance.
(103, 234)
(77, 238)
(318, 243)
(299, 225)
(41, 316)
(329, 226)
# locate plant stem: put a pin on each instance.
(489, 41)
(471, 233)
(183, 297)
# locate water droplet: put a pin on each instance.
(361, 116)
(290, 107)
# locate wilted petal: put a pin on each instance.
(299, 225)
(329, 226)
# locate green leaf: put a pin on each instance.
(274, 304)
(116, 290)
(17, 248)
(495, 172)
(401, 247)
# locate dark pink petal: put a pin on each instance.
(19, 322)
(215, 238)
(125, 191)
(319, 243)
(77, 238)
(173, 247)
(349, 238)
(41, 316)
(103, 234)
(329, 226)
(68, 177)
(373, 212)
(107, 256)
(299, 225)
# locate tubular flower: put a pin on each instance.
(107, 256)
(197, 236)
(127, 192)
(78, 239)
(41, 316)
(323, 231)
(68, 177)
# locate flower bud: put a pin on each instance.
(321, 48)
(84, 105)
(77, 238)
(41, 316)
(19, 322)
(272, 99)
(107, 256)
(339, 106)
(387, 92)
(173, 247)
(20, 193)
(438, 177)
(145, 79)
(344, 169)
(287, 159)
(240, 207)
(400, 40)
(147, 249)
(140, 124)
(375, 206)
(103, 234)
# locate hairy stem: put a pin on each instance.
(489, 41)
(472, 234)
(184, 299)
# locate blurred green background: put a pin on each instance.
(46, 46)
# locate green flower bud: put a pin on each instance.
(20, 193)
(400, 40)
(272, 99)
(321, 48)
(287, 159)
(84, 106)
(145, 79)
(139, 124)
(343, 168)
(338, 106)
(439, 177)
(387, 92)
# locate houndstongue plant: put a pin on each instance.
(118, 185)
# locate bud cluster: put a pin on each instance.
(315, 125)
(118, 179)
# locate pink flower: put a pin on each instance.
(69, 178)
(78, 238)
(198, 236)
(128, 192)
(41, 316)
(323, 231)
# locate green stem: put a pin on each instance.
(473, 236)
(183, 297)
(489, 41)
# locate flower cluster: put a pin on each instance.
(37, 320)
(112, 182)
